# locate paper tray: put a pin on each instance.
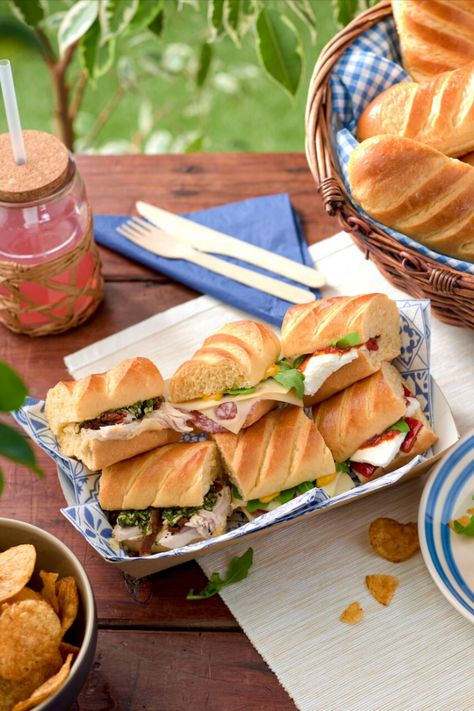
(80, 487)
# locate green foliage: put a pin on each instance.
(467, 530)
(29, 11)
(279, 48)
(13, 445)
(238, 570)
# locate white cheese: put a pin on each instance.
(381, 454)
(167, 416)
(339, 485)
(412, 407)
(320, 367)
(268, 390)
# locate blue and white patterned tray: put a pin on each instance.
(81, 487)
(369, 66)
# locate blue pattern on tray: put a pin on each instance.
(369, 66)
(82, 486)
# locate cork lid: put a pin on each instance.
(45, 170)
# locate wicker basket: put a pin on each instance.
(451, 291)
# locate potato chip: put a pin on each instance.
(11, 692)
(382, 587)
(65, 648)
(68, 601)
(24, 594)
(352, 614)
(47, 689)
(30, 633)
(16, 568)
(49, 589)
(392, 540)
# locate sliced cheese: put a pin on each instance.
(381, 454)
(320, 367)
(341, 483)
(268, 390)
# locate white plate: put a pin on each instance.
(447, 495)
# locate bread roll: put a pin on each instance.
(175, 475)
(468, 158)
(416, 190)
(438, 112)
(360, 412)
(282, 450)
(435, 35)
(309, 327)
(237, 356)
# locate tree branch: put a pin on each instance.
(78, 95)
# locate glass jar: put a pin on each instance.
(50, 277)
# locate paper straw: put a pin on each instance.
(11, 110)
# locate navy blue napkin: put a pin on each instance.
(268, 222)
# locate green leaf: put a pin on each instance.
(145, 14)
(239, 391)
(232, 17)
(195, 146)
(343, 467)
(76, 22)
(237, 570)
(158, 23)
(236, 493)
(345, 10)
(349, 340)
(215, 17)
(2, 482)
(279, 49)
(465, 530)
(29, 11)
(15, 447)
(12, 388)
(400, 426)
(304, 10)
(298, 361)
(285, 496)
(255, 505)
(205, 59)
(291, 378)
(96, 60)
(115, 15)
(304, 487)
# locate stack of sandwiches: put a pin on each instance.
(247, 392)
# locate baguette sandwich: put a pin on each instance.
(104, 418)
(167, 498)
(281, 456)
(374, 426)
(336, 341)
(233, 379)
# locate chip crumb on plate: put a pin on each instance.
(382, 587)
(392, 540)
(352, 614)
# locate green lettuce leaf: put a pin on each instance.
(343, 467)
(401, 426)
(465, 530)
(238, 570)
(239, 391)
(350, 339)
(290, 377)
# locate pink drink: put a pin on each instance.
(32, 233)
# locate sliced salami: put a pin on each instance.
(204, 423)
(226, 411)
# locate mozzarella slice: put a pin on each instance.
(167, 416)
(320, 367)
(268, 390)
(381, 454)
(412, 407)
(340, 484)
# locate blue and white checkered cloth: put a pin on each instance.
(369, 66)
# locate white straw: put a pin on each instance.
(11, 110)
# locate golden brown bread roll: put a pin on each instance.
(435, 35)
(282, 450)
(106, 417)
(468, 158)
(307, 328)
(438, 112)
(237, 356)
(416, 190)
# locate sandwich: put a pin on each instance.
(281, 456)
(336, 341)
(374, 426)
(167, 498)
(104, 418)
(234, 379)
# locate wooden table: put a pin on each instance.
(155, 650)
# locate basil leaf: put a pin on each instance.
(304, 487)
(236, 493)
(292, 379)
(343, 467)
(239, 391)
(285, 496)
(400, 426)
(237, 570)
(465, 530)
(350, 339)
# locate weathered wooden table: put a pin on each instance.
(156, 650)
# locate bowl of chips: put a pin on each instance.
(48, 628)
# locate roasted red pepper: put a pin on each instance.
(372, 344)
(407, 392)
(415, 426)
(366, 470)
